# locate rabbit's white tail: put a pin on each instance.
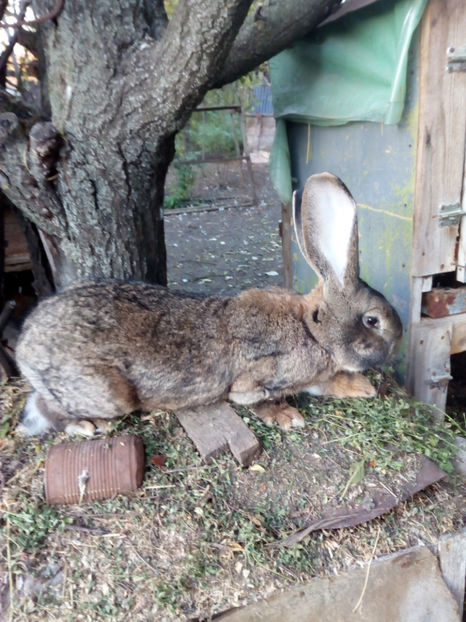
(33, 422)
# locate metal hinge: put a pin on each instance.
(450, 215)
(456, 59)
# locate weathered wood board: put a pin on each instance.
(441, 137)
(430, 363)
(17, 256)
(452, 556)
(406, 586)
(217, 428)
(433, 341)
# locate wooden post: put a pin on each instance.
(285, 231)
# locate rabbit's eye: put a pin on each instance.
(370, 321)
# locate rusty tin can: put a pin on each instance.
(90, 470)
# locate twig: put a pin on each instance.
(154, 570)
(366, 580)
(300, 534)
(11, 43)
(388, 490)
(92, 530)
(10, 571)
(39, 20)
(190, 468)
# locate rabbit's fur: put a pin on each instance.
(104, 348)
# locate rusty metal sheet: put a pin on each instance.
(441, 302)
(382, 502)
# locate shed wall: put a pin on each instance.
(377, 162)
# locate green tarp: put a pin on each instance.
(350, 70)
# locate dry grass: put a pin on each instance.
(195, 539)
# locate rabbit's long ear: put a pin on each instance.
(327, 230)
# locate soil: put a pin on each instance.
(225, 250)
(198, 539)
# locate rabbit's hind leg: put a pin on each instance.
(84, 402)
(280, 413)
(245, 391)
(40, 415)
(98, 395)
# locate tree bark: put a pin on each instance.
(119, 80)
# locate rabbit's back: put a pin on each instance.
(161, 343)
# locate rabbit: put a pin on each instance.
(101, 349)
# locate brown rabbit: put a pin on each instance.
(101, 349)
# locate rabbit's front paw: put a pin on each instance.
(353, 385)
(281, 413)
(82, 427)
(344, 384)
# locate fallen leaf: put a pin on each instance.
(158, 460)
(357, 473)
(255, 520)
(257, 467)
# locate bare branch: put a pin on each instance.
(3, 7)
(39, 20)
(271, 29)
(11, 43)
(13, 103)
(28, 39)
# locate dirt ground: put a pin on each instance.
(226, 250)
(197, 539)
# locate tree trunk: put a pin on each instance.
(114, 217)
(118, 81)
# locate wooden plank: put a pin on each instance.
(285, 232)
(452, 555)
(461, 259)
(430, 365)
(426, 283)
(458, 340)
(414, 319)
(441, 138)
(454, 323)
(217, 428)
(16, 248)
(404, 587)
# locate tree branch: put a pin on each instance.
(28, 39)
(11, 43)
(271, 29)
(34, 194)
(195, 42)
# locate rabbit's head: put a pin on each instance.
(352, 321)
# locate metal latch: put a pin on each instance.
(450, 215)
(440, 378)
(456, 59)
